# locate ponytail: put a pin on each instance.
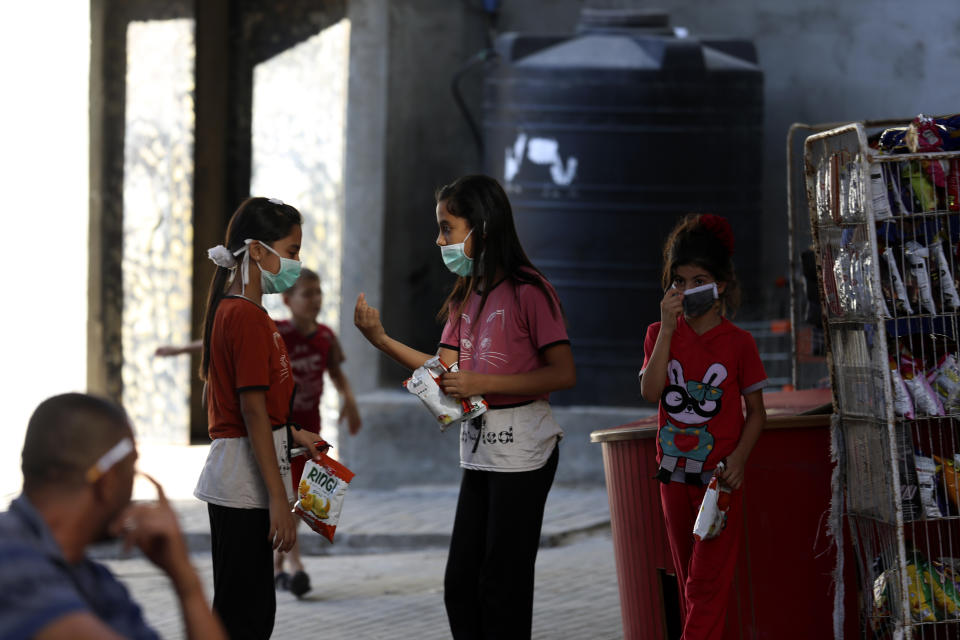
(218, 289)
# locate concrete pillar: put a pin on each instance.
(364, 183)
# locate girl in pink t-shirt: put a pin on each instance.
(698, 365)
(505, 328)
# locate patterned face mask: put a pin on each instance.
(699, 300)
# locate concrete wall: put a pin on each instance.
(400, 444)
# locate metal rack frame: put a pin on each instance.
(876, 457)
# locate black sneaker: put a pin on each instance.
(282, 581)
(299, 583)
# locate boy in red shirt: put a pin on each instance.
(313, 349)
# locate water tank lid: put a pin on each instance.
(716, 60)
(591, 17)
(595, 51)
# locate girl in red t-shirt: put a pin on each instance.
(248, 387)
(505, 328)
(698, 365)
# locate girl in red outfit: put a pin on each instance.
(248, 389)
(698, 365)
(505, 327)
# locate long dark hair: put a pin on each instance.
(260, 219)
(481, 201)
(704, 240)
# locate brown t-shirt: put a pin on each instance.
(246, 353)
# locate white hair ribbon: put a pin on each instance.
(222, 257)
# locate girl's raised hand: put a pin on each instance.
(367, 320)
(670, 308)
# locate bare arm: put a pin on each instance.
(174, 350)
(80, 625)
(367, 320)
(756, 418)
(558, 372)
(349, 411)
(655, 375)
(253, 407)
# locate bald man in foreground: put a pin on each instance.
(78, 468)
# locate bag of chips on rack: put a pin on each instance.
(918, 593)
(321, 491)
(902, 302)
(881, 598)
(917, 189)
(953, 185)
(920, 272)
(425, 384)
(945, 380)
(951, 479)
(925, 400)
(902, 404)
(927, 470)
(943, 594)
(951, 571)
(943, 279)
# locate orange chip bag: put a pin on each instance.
(320, 494)
(951, 479)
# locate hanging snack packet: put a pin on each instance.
(902, 403)
(925, 400)
(881, 596)
(917, 257)
(425, 384)
(926, 136)
(918, 189)
(899, 291)
(953, 186)
(948, 288)
(321, 491)
(946, 599)
(927, 486)
(918, 592)
(951, 479)
(712, 516)
(878, 190)
(946, 382)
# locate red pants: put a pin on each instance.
(704, 569)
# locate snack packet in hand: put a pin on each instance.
(320, 494)
(425, 384)
(712, 517)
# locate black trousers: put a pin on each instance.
(488, 586)
(243, 592)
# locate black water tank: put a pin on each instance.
(603, 139)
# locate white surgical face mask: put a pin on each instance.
(456, 258)
(269, 282)
(281, 280)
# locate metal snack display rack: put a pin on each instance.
(885, 233)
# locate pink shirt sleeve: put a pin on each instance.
(544, 320)
(448, 338)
